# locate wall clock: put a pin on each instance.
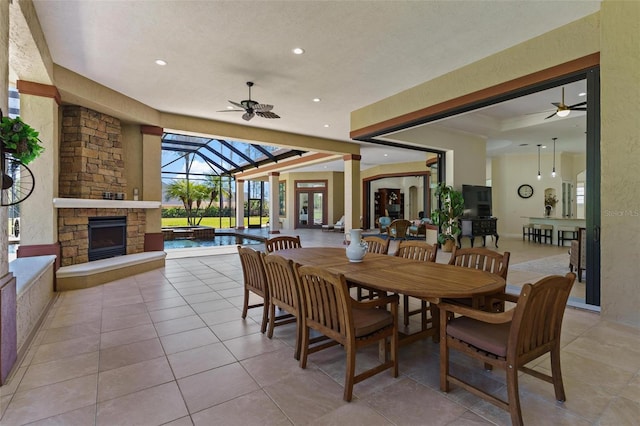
(525, 191)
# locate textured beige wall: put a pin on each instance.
(39, 225)
(620, 147)
(132, 155)
(575, 40)
(151, 189)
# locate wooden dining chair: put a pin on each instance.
(509, 340)
(416, 250)
(483, 259)
(284, 293)
(330, 310)
(374, 245)
(255, 281)
(282, 242)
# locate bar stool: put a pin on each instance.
(563, 230)
(543, 232)
(528, 231)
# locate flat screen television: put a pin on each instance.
(477, 201)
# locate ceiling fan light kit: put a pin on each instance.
(563, 110)
(252, 108)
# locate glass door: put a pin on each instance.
(311, 204)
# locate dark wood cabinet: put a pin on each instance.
(389, 202)
(478, 227)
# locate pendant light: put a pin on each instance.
(553, 171)
(539, 175)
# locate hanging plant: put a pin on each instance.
(20, 139)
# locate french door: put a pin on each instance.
(311, 204)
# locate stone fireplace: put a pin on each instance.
(92, 163)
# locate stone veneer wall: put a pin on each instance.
(91, 160)
(73, 232)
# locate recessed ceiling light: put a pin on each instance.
(298, 50)
(544, 146)
(229, 107)
(386, 155)
(582, 94)
(326, 125)
(161, 62)
(316, 99)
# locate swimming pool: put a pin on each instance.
(219, 240)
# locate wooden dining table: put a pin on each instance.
(428, 281)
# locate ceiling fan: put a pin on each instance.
(252, 108)
(563, 110)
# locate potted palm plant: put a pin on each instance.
(446, 216)
(19, 139)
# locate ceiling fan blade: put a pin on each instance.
(237, 105)
(267, 114)
(262, 107)
(578, 109)
(577, 105)
(247, 116)
(231, 110)
(550, 116)
(556, 104)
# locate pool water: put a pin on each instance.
(219, 240)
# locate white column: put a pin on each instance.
(274, 203)
(240, 204)
(352, 192)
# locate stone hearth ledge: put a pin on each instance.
(83, 203)
(90, 274)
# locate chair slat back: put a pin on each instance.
(282, 242)
(326, 302)
(481, 258)
(377, 245)
(417, 250)
(282, 280)
(537, 319)
(253, 270)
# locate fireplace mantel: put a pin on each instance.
(82, 203)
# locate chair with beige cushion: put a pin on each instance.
(486, 260)
(509, 340)
(255, 281)
(330, 310)
(284, 293)
(416, 250)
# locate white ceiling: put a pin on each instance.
(356, 53)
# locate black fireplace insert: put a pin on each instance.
(107, 237)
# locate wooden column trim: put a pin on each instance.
(356, 157)
(39, 89)
(151, 130)
(274, 173)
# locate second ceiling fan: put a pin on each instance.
(563, 110)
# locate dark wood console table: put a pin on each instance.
(478, 227)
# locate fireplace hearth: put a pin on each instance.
(107, 237)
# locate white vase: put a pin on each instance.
(356, 248)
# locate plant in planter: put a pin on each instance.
(446, 217)
(20, 139)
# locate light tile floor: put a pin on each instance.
(169, 347)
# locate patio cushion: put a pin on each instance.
(366, 321)
(488, 337)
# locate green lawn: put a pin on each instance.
(215, 222)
